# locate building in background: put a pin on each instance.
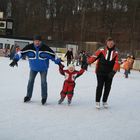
(6, 25)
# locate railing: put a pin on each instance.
(136, 65)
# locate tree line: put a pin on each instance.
(77, 20)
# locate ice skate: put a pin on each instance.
(27, 99)
(105, 104)
(98, 105)
(69, 102)
(60, 101)
(43, 101)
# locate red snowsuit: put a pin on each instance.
(69, 83)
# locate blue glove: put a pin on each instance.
(58, 61)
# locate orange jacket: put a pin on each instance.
(126, 65)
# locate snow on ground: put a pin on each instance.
(80, 121)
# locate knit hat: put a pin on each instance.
(37, 37)
(71, 65)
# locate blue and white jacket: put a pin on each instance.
(38, 56)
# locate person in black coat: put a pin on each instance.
(69, 56)
(84, 60)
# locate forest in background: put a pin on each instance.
(77, 20)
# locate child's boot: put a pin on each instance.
(61, 100)
(69, 101)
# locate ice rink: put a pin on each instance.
(79, 121)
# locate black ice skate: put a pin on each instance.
(43, 101)
(27, 99)
(69, 102)
(60, 101)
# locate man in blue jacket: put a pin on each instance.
(39, 55)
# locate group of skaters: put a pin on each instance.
(13, 50)
(80, 58)
(39, 54)
(11, 53)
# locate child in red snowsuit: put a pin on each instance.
(68, 87)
